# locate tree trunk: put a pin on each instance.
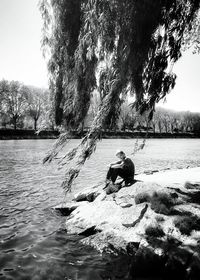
(160, 127)
(35, 124)
(15, 122)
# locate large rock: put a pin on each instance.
(67, 208)
(155, 224)
(88, 194)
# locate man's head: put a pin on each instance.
(120, 154)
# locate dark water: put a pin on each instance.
(34, 243)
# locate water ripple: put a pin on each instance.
(34, 243)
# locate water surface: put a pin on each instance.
(34, 243)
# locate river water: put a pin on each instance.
(34, 243)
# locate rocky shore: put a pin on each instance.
(155, 222)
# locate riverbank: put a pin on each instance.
(21, 134)
(9, 134)
(155, 223)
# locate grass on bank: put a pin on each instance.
(187, 223)
(154, 231)
(161, 203)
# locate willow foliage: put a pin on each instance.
(112, 46)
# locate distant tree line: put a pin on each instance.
(29, 107)
(163, 121)
(26, 107)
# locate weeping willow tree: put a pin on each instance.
(113, 47)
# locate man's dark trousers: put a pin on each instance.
(114, 172)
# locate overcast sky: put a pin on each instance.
(21, 57)
(20, 35)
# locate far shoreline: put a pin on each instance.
(23, 134)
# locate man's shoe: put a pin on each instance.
(107, 182)
(129, 182)
(113, 188)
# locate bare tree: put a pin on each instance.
(14, 101)
(36, 99)
(47, 116)
(125, 115)
(157, 120)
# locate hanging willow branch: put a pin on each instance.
(110, 46)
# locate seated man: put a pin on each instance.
(124, 168)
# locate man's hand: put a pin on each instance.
(118, 165)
